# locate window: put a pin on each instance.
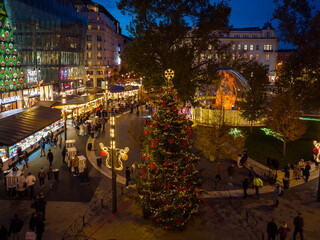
(210, 47)
(236, 36)
(202, 56)
(89, 38)
(245, 36)
(99, 38)
(245, 56)
(89, 46)
(99, 46)
(233, 56)
(89, 55)
(89, 64)
(251, 47)
(89, 27)
(98, 63)
(268, 34)
(267, 47)
(267, 57)
(89, 72)
(245, 47)
(99, 72)
(209, 56)
(257, 56)
(99, 55)
(98, 18)
(233, 47)
(257, 47)
(251, 56)
(239, 47)
(89, 82)
(98, 27)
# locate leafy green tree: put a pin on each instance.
(162, 39)
(283, 118)
(168, 178)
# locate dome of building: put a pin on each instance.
(230, 89)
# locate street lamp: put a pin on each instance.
(111, 162)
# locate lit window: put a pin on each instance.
(98, 18)
(99, 55)
(202, 56)
(89, 27)
(239, 47)
(98, 27)
(245, 56)
(251, 47)
(89, 55)
(267, 47)
(98, 63)
(216, 56)
(233, 56)
(89, 46)
(209, 56)
(89, 64)
(245, 47)
(233, 47)
(267, 57)
(210, 47)
(257, 56)
(251, 56)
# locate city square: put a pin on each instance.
(162, 119)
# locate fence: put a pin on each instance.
(76, 230)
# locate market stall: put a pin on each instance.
(25, 130)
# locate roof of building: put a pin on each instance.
(246, 29)
(267, 25)
(17, 127)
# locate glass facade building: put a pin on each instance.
(50, 38)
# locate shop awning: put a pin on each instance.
(17, 127)
(72, 100)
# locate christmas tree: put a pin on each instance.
(168, 182)
(11, 76)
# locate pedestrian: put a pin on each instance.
(15, 227)
(298, 226)
(128, 172)
(307, 171)
(26, 158)
(252, 175)
(69, 163)
(4, 233)
(42, 202)
(283, 231)
(231, 170)
(296, 171)
(50, 177)
(276, 194)
(75, 164)
(64, 152)
(59, 141)
(287, 171)
(257, 183)
(85, 175)
(244, 158)
(272, 230)
(245, 185)
(42, 175)
(133, 169)
(42, 147)
(55, 140)
(30, 180)
(19, 153)
(217, 173)
(302, 166)
(33, 221)
(39, 226)
(50, 157)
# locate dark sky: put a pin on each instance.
(244, 13)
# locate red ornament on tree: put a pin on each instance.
(179, 189)
(152, 165)
(184, 143)
(166, 126)
(164, 105)
(162, 91)
(169, 150)
(166, 164)
(315, 150)
(145, 132)
(187, 159)
(141, 170)
(174, 108)
(170, 141)
(103, 153)
(168, 185)
(156, 125)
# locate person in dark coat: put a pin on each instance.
(42, 202)
(272, 230)
(15, 227)
(298, 226)
(245, 185)
(4, 233)
(50, 157)
(287, 171)
(128, 178)
(307, 171)
(231, 170)
(64, 153)
(32, 222)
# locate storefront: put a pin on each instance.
(11, 100)
(25, 129)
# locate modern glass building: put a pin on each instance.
(50, 39)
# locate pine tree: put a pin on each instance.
(11, 77)
(169, 181)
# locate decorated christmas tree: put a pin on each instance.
(11, 76)
(168, 180)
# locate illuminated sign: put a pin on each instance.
(9, 100)
(32, 76)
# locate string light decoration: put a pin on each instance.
(122, 156)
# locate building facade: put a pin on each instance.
(50, 39)
(255, 44)
(103, 43)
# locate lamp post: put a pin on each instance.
(112, 161)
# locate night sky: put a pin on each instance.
(244, 13)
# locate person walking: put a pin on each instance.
(296, 171)
(26, 158)
(50, 157)
(64, 153)
(42, 175)
(39, 227)
(69, 163)
(245, 185)
(252, 175)
(287, 171)
(4, 233)
(128, 172)
(298, 226)
(302, 166)
(75, 164)
(55, 140)
(15, 227)
(32, 222)
(276, 194)
(283, 231)
(30, 180)
(42, 147)
(59, 141)
(272, 230)
(50, 177)
(42, 202)
(257, 183)
(307, 171)
(231, 170)
(217, 174)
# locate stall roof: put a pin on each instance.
(45, 103)
(17, 127)
(81, 100)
